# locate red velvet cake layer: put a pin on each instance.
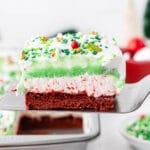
(48, 125)
(63, 101)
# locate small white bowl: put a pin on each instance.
(134, 142)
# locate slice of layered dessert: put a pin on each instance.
(33, 122)
(71, 72)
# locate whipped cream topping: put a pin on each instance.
(96, 85)
(90, 44)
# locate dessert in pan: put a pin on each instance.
(33, 122)
(71, 72)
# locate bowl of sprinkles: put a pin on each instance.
(136, 131)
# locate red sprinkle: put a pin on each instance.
(13, 90)
(74, 44)
(142, 116)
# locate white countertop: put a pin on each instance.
(110, 138)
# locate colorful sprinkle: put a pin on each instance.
(142, 116)
(60, 39)
(93, 47)
(64, 41)
(78, 50)
(66, 51)
(22, 56)
(94, 52)
(74, 44)
(44, 38)
(53, 53)
(14, 90)
(94, 32)
(114, 41)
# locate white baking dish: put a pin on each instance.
(136, 143)
(78, 141)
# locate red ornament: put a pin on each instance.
(142, 116)
(135, 45)
(74, 44)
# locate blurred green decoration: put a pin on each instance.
(147, 20)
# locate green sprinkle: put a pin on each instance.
(66, 51)
(93, 47)
(64, 41)
(92, 42)
(94, 52)
(114, 41)
(82, 52)
(33, 56)
(35, 49)
(74, 52)
(81, 35)
(114, 55)
(75, 37)
(97, 37)
(26, 58)
(25, 51)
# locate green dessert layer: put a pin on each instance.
(51, 72)
(68, 66)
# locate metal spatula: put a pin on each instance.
(130, 98)
(133, 95)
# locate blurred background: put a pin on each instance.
(19, 20)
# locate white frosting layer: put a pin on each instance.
(96, 85)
